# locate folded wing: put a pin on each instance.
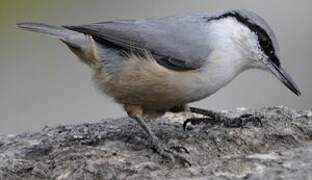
(177, 43)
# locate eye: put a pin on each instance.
(265, 43)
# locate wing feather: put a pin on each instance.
(177, 43)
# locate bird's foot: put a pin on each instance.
(172, 153)
(245, 120)
(196, 121)
(215, 118)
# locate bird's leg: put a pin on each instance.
(216, 118)
(136, 113)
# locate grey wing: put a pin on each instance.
(177, 43)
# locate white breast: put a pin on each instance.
(222, 68)
(224, 63)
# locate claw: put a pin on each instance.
(259, 121)
(195, 121)
(246, 116)
(233, 123)
(173, 157)
(186, 122)
(252, 118)
(215, 118)
(167, 153)
(180, 149)
(183, 161)
(242, 121)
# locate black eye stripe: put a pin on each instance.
(264, 39)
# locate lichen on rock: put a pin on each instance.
(116, 149)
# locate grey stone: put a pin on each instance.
(117, 149)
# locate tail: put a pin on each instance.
(82, 45)
(68, 36)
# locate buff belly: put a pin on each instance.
(145, 83)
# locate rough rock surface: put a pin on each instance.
(116, 149)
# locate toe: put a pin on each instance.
(175, 158)
(244, 120)
(195, 121)
(180, 149)
(233, 122)
(184, 162)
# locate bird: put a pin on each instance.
(156, 65)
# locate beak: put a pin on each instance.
(283, 76)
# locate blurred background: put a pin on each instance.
(43, 83)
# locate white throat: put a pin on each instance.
(227, 59)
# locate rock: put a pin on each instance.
(116, 149)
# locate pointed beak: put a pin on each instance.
(283, 76)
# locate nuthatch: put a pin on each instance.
(152, 66)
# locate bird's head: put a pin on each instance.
(258, 45)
